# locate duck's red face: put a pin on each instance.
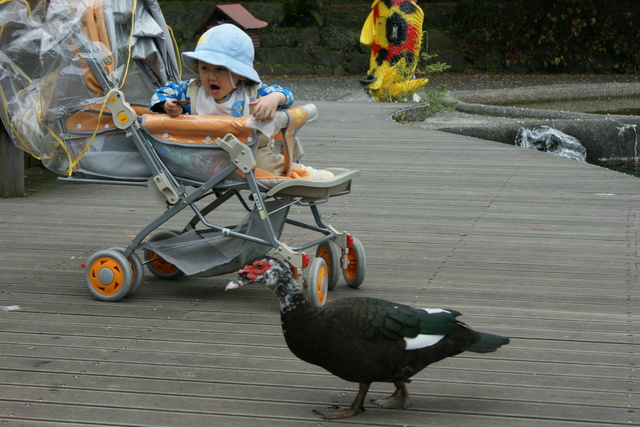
(252, 271)
(249, 273)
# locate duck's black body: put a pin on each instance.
(362, 339)
(366, 340)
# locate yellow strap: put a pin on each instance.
(133, 24)
(177, 51)
(103, 107)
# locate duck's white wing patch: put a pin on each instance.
(424, 340)
(421, 341)
(435, 310)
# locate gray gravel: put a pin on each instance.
(347, 88)
(314, 88)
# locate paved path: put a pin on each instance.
(539, 248)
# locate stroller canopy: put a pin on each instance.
(65, 56)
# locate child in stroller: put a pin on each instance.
(228, 85)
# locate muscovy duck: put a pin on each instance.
(365, 340)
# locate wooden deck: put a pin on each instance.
(542, 249)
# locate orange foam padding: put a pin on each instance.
(86, 120)
(94, 25)
(198, 129)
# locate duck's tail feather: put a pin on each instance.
(487, 343)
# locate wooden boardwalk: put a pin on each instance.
(539, 248)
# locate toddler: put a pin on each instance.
(228, 86)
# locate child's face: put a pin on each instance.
(217, 80)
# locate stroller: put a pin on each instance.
(66, 68)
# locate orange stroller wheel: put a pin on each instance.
(156, 264)
(109, 275)
(329, 252)
(355, 271)
(317, 284)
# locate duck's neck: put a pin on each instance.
(291, 297)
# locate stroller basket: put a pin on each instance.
(74, 82)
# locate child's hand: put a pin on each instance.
(172, 107)
(265, 107)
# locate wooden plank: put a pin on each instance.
(537, 248)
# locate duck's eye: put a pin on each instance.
(260, 266)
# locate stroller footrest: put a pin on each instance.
(316, 191)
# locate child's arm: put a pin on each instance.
(170, 99)
(270, 98)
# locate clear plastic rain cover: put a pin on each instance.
(61, 58)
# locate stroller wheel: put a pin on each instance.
(109, 275)
(330, 253)
(354, 272)
(156, 264)
(138, 271)
(317, 284)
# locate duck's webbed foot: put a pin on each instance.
(398, 400)
(356, 407)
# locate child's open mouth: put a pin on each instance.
(214, 89)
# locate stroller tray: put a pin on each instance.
(316, 191)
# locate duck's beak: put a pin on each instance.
(235, 284)
(242, 280)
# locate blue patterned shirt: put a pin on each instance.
(178, 91)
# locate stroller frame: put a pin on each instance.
(66, 106)
(336, 250)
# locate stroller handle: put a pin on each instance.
(283, 118)
(312, 112)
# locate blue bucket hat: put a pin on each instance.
(225, 45)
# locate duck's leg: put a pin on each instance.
(356, 407)
(398, 400)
